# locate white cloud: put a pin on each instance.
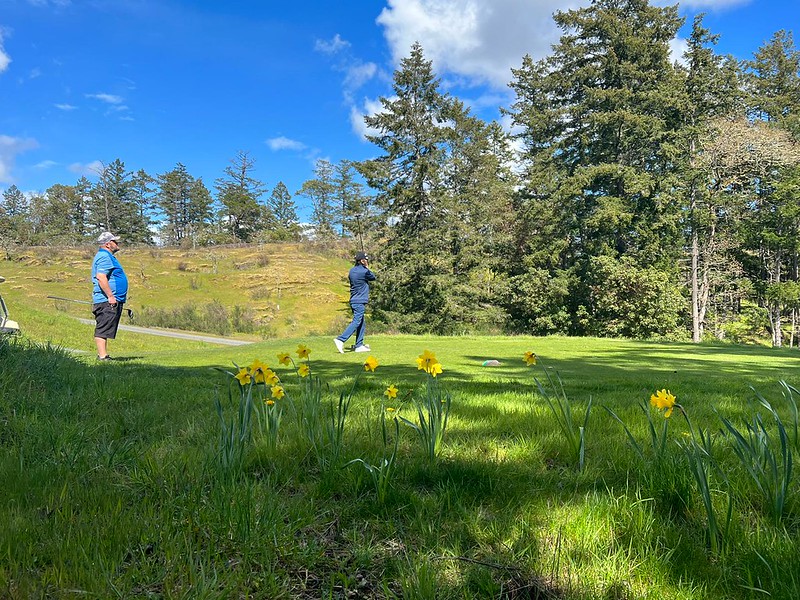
(677, 47)
(284, 143)
(45, 164)
(5, 59)
(107, 98)
(358, 74)
(66, 107)
(357, 115)
(477, 39)
(333, 46)
(36, 72)
(9, 148)
(480, 41)
(92, 169)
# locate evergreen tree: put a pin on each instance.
(143, 197)
(14, 218)
(411, 138)
(442, 192)
(238, 193)
(56, 216)
(287, 225)
(114, 207)
(773, 81)
(186, 205)
(474, 214)
(594, 117)
(321, 192)
(351, 201)
(79, 210)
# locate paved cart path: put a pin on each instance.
(177, 334)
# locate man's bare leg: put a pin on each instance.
(102, 345)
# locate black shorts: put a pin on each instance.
(107, 319)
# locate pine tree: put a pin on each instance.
(238, 193)
(594, 117)
(55, 216)
(321, 192)
(287, 225)
(113, 205)
(411, 138)
(14, 218)
(352, 204)
(442, 193)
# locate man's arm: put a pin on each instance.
(102, 281)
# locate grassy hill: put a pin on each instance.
(286, 290)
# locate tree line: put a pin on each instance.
(175, 208)
(635, 195)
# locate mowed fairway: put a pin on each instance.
(113, 484)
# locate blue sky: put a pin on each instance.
(157, 82)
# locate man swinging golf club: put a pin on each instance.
(359, 277)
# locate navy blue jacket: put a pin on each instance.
(359, 277)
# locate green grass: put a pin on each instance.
(112, 487)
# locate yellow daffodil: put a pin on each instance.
(425, 360)
(277, 392)
(663, 400)
(243, 376)
(303, 370)
(529, 358)
(303, 351)
(258, 365)
(435, 369)
(270, 377)
(371, 364)
(284, 358)
(391, 392)
(270, 402)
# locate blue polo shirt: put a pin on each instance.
(105, 262)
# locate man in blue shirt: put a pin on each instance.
(359, 277)
(109, 293)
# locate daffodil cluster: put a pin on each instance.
(259, 372)
(428, 362)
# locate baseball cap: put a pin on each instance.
(361, 256)
(106, 237)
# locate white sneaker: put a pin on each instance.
(362, 348)
(339, 345)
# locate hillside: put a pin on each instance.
(287, 290)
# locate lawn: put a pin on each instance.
(118, 481)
